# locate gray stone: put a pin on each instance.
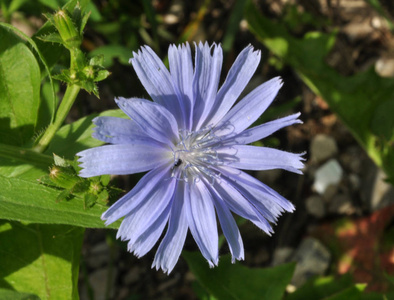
(315, 206)
(384, 66)
(282, 255)
(328, 174)
(312, 259)
(382, 193)
(375, 192)
(341, 204)
(322, 148)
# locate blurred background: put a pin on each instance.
(336, 58)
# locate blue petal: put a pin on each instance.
(259, 132)
(144, 243)
(249, 109)
(147, 212)
(118, 131)
(202, 220)
(144, 188)
(122, 159)
(240, 205)
(260, 158)
(158, 82)
(152, 118)
(181, 67)
(171, 246)
(229, 227)
(238, 77)
(206, 81)
(269, 202)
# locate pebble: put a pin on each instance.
(375, 192)
(341, 204)
(328, 174)
(282, 255)
(383, 193)
(312, 259)
(384, 66)
(322, 148)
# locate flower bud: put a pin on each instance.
(67, 29)
(63, 177)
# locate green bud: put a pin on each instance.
(67, 29)
(89, 72)
(95, 187)
(64, 177)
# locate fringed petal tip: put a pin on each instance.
(213, 263)
(301, 166)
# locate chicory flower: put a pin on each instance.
(192, 140)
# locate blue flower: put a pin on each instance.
(193, 141)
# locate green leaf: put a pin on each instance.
(40, 259)
(351, 293)
(22, 200)
(232, 27)
(19, 89)
(234, 281)
(383, 121)
(23, 163)
(110, 52)
(357, 100)
(10, 294)
(54, 4)
(321, 287)
(75, 137)
(51, 38)
(15, 5)
(48, 103)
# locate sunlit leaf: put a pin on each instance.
(19, 89)
(40, 259)
(22, 200)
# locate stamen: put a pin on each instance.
(194, 154)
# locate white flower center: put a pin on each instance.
(195, 154)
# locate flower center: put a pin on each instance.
(195, 154)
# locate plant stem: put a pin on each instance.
(62, 112)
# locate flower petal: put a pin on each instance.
(249, 109)
(158, 82)
(260, 158)
(266, 200)
(147, 212)
(152, 118)
(229, 227)
(121, 159)
(144, 243)
(171, 246)
(240, 204)
(259, 132)
(206, 81)
(238, 77)
(181, 68)
(118, 131)
(144, 189)
(201, 217)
